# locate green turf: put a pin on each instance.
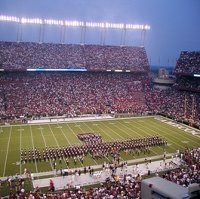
(14, 138)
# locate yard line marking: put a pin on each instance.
(33, 148)
(180, 134)
(53, 135)
(20, 145)
(20, 129)
(134, 132)
(68, 140)
(168, 122)
(58, 127)
(104, 133)
(65, 136)
(40, 127)
(45, 145)
(185, 141)
(139, 123)
(4, 170)
(80, 141)
(113, 130)
(151, 129)
(56, 139)
(165, 132)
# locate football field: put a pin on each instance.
(16, 138)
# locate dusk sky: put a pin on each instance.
(175, 24)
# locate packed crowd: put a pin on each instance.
(126, 187)
(180, 105)
(188, 83)
(22, 56)
(71, 94)
(188, 62)
(23, 94)
(190, 172)
(43, 94)
(96, 149)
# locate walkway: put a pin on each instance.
(60, 182)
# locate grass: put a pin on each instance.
(15, 138)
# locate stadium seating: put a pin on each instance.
(71, 93)
(182, 105)
(22, 56)
(188, 83)
(188, 63)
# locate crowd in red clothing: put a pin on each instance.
(22, 56)
(181, 105)
(71, 93)
(190, 172)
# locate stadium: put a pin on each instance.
(86, 120)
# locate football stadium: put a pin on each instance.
(90, 121)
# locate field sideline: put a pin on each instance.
(13, 139)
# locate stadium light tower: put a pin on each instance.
(63, 24)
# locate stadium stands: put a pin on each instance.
(190, 172)
(188, 83)
(22, 56)
(188, 63)
(71, 93)
(180, 105)
(78, 93)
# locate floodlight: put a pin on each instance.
(118, 71)
(74, 23)
(23, 20)
(101, 25)
(147, 27)
(196, 75)
(107, 25)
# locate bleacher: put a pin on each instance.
(188, 63)
(22, 56)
